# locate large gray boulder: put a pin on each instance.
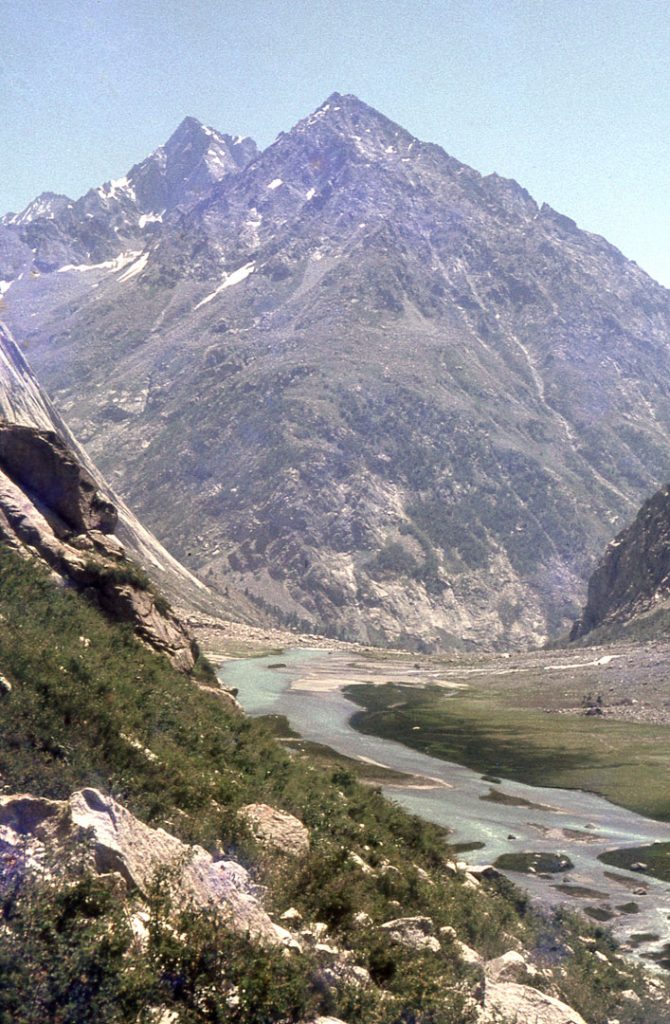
(121, 843)
(520, 1004)
(43, 465)
(275, 829)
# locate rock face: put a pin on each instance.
(631, 583)
(51, 508)
(422, 399)
(276, 829)
(43, 458)
(43, 466)
(119, 842)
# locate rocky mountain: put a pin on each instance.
(629, 590)
(387, 396)
(54, 231)
(165, 858)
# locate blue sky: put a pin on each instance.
(570, 97)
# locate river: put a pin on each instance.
(307, 690)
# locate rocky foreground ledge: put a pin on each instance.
(120, 846)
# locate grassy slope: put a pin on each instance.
(487, 731)
(74, 705)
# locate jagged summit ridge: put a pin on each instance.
(120, 216)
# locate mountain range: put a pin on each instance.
(385, 396)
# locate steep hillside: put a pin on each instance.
(629, 590)
(49, 446)
(391, 398)
(363, 916)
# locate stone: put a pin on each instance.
(511, 966)
(486, 871)
(413, 932)
(291, 916)
(467, 954)
(5, 686)
(520, 1004)
(26, 815)
(276, 830)
(360, 863)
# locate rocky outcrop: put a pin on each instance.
(58, 475)
(632, 578)
(119, 842)
(52, 508)
(276, 830)
(413, 933)
(41, 463)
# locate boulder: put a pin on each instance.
(413, 932)
(291, 916)
(511, 966)
(360, 863)
(26, 815)
(276, 830)
(519, 1004)
(119, 842)
(486, 871)
(467, 954)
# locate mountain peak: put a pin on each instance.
(347, 116)
(190, 129)
(46, 206)
(193, 159)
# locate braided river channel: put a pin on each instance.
(305, 686)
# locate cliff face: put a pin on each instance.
(632, 579)
(51, 508)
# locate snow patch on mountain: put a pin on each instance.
(135, 268)
(151, 218)
(231, 279)
(114, 265)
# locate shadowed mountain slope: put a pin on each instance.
(629, 590)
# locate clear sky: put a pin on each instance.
(570, 97)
